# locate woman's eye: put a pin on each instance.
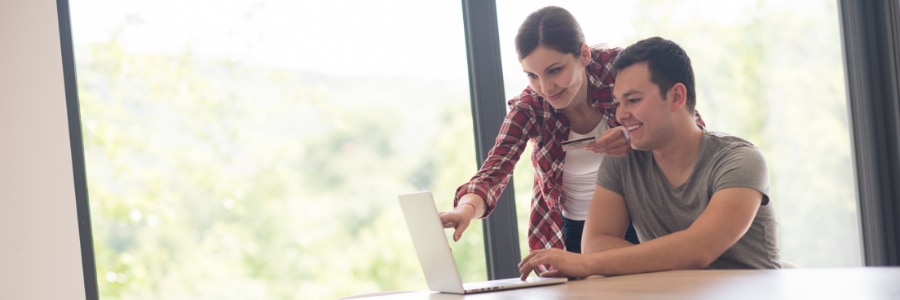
(531, 76)
(555, 70)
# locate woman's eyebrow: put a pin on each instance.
(547, 69)
(551, 66)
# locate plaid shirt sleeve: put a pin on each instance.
(491, 179)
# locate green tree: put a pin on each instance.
(214, 180)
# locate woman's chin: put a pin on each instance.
(558, 104)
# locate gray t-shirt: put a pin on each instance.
(657, 209)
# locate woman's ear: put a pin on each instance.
(585, 54)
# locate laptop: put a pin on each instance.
(435, 255)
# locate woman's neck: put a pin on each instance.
(582, 116)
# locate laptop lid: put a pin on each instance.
(435, 256)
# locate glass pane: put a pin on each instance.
(769, 71)
(255, 149)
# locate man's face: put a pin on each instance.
(641, 108)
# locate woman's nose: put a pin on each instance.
(546, 86)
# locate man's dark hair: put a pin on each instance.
(667, 62)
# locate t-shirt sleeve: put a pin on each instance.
(609, 175)
(743, 167)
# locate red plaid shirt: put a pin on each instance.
(532, 119)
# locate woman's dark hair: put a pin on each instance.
(553, 27)
(668, 64)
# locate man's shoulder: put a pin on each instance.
(723, 148)
(634, 157)
(722, 140)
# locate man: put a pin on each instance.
(697, 199)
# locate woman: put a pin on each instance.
(569, 97)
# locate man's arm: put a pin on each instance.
(721, 225)
(606, 222)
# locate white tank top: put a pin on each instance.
(580, 175)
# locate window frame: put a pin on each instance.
(870, 33)
(76, 145)
(871, 40)
(501, 237)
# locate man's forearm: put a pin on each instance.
(603, 242)
(673, 252)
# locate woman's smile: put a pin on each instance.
(555, 97)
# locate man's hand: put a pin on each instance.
(614, 142)
(565, 263)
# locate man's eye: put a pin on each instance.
(634, 100)
(616, 104)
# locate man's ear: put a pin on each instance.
(678, 96)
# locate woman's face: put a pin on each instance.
(557, 76)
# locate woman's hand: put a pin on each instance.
(462, 215)
(613, 142)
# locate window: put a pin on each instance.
(254, 149)
(770, 72)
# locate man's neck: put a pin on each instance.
(677, 158)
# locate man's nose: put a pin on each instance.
(622, 114)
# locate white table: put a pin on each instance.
(808, 283)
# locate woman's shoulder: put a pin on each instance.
(528, 98)
(529, 105)
(604, 53)
(600, 68)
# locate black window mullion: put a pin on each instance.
(501, 240)
(870, 32)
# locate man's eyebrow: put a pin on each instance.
(626, 94)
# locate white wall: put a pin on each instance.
(40, 256)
